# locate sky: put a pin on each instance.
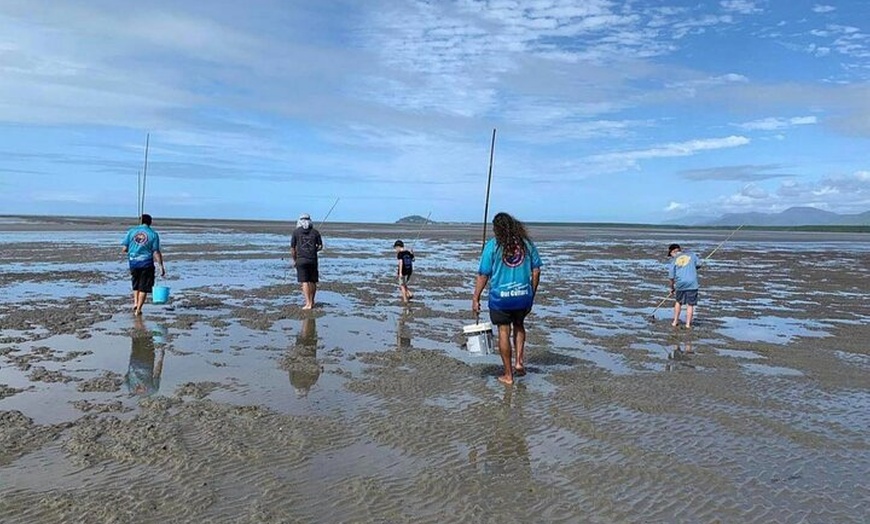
(604, 111)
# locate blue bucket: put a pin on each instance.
(160, 294)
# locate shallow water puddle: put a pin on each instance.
(566, 343)
(740, 354)
(299, 367)
(775, 330)
(765, 369)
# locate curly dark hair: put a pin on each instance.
(510, 235)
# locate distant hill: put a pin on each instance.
(793, 216)
(412, 219)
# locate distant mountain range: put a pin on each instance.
(793, 216)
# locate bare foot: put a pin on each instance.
(520, 371)
(688, 326)
(505, 379)
(307, 306)
(675, 325)
(137, 311)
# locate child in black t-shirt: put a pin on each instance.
(404, 269)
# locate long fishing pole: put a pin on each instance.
(723, 242)
(328, 213)
(425, 223)
(139, 195)
(653, 314)
(144, 175)
(488, 185)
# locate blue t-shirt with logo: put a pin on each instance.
(683, 269)
(510, 281)
(141, 242)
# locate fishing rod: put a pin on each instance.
(653, 314)
(144, 176)
(425, 223)
(723, 242)
(139, 195)
(488, 185)
(329, 213)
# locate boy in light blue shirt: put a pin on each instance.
(683, 275)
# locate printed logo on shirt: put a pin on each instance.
(682, 260)
(516, 259)
(140, 238)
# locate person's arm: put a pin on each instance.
(319, 242)
(479, 286)
(536, 267)
(293, 254)
(673, 287)
(399, 267)
(158, 257)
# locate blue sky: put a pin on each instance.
(629, 111)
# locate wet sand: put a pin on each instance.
(231, 404)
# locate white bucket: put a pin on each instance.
(478, 338)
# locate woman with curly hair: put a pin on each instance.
(510, 264)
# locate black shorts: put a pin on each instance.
(688, 297)
(307, 271)
(143, 278)
(514, 316)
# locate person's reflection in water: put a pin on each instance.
(304, 370)
(507, 452)
(403, 334)
(146, 362)
(679, 357)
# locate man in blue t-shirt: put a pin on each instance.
(142, 246)
(683, 275)
(510, 264)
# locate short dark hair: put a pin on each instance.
(146, 219)
(672, 247)
(398, 243)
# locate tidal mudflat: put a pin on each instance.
(231, 404)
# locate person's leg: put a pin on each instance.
(134, 282)
(312, 288)
(140, 302)
(677, 308)
(305, 295)
(520, 345)
(690, 312)
(504, 349)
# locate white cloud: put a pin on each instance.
(674, 206)
(691, 88)
(743, 7)
(820, 8)
(629, 159)
(772, 124)
(838, 193)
